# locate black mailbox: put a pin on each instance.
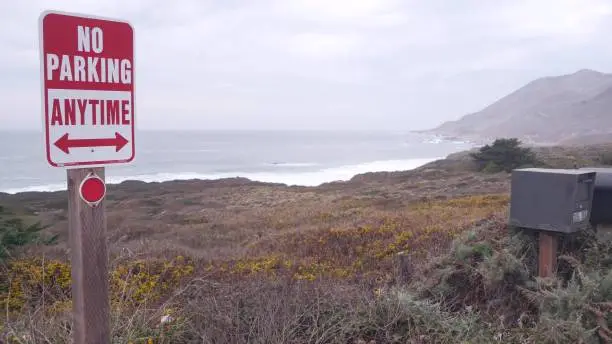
(555, 200)
(601, 209)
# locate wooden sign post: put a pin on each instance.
(547, 260)
(87, 226)
(87, 79)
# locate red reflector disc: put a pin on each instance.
(93, 189)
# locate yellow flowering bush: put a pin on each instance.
(34, 281)
(367, 249)
(147, 280)
(343, 251)
(26, 281)
(265, 264)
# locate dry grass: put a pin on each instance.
(481, 290)
(270, 311)
(345, 248)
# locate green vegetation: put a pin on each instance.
(15, 234)
(503, 155)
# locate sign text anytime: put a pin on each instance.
(88, 90)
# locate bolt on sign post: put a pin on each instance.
(87, 78)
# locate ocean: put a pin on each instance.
(306, 158)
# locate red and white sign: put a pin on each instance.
(87, 72)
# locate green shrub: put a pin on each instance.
(504, 155)
(15, 233)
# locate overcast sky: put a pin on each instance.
(319, 64)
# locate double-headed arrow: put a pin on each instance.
(64, 143)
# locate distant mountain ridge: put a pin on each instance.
(556, 109)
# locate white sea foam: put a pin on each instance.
(292, 164)
(43, 188)
(303, 178)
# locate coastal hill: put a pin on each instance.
(565, 109)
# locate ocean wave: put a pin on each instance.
(292, 164)
(37, 188)
(436, 139)
(304, 178)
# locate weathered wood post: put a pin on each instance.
(547, 255)
(89, 256)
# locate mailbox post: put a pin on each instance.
(552, 202)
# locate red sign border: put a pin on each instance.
(44, 100)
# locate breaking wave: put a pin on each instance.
(298, 178)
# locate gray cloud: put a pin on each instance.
(319, 63)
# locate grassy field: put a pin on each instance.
(423, 256)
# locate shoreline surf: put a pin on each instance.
(291, 178)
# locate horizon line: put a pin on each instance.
(415, 131)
